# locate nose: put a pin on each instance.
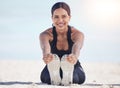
(60, 20)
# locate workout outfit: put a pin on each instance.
(78, 73)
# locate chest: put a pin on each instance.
(62, 43)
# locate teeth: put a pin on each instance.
(60, 24)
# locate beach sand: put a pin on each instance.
(26, 74)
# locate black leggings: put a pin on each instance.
(78, 75)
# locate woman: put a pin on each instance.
(61, 46)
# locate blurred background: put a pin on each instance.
(21, 22)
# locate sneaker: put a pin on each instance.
(67, 69)
(53, 68)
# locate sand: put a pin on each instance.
(26, 74)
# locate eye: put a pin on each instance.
(64, 16)
(56, 17)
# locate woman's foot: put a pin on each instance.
(67, 69)
(53, 68)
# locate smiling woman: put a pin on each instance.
(61, 45)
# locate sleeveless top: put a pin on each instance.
(53, 43)
(60, 53)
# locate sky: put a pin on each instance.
(21, 22)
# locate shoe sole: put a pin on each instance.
(53, 68)
(67, 69)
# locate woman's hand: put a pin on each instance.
(72, 58)
(48, 58)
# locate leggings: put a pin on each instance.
(78, 75)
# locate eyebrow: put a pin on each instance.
(62, 15)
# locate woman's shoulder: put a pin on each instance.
(76, 31)
(76, 35)
(46, 33)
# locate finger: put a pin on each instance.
(69, 60)
(45, 61)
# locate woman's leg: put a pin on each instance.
(50, 73)
(78, 75)
(45, 76)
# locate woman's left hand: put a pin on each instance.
(72, 58)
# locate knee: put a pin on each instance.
(45, 77)
(82, 79)
(79, 76)
(79, 79)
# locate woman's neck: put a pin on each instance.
(62, 31)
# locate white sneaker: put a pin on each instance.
(67, 69)
(53, 68)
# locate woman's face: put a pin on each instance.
(60, 19)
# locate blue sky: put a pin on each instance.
(21, 22)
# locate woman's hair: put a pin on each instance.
(61, 5)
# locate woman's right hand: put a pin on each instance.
(48, 58)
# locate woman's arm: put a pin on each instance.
(77, 38)
(44, 42)
(45, 46)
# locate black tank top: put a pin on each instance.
(53, 43)
(60, 53)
